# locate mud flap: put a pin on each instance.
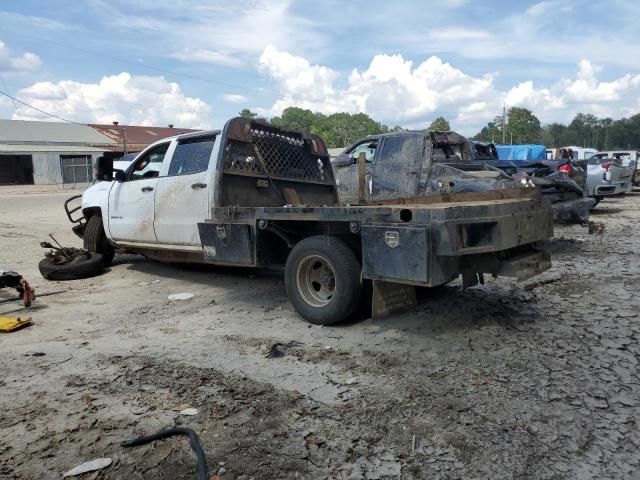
(523, 267)
(389, 298)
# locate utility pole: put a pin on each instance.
(504, 124)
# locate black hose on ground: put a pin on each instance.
(203, 469)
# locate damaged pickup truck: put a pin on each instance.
(257, 195)
(562, 179)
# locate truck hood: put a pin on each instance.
(95, 195)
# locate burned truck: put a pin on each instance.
(411, 164)
(257, 195)
(562, 179)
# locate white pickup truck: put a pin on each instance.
(257, 195)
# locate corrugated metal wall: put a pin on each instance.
(46, 166)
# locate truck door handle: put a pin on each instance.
(147, 189)
(198, 185)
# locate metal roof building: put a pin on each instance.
(64, 153)
(48, 152)
(134, 138)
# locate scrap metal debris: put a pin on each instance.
(11, 279)
(203, 469)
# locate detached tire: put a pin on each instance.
(322, 278)
(95, 240)
(88, 265)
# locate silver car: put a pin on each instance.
(607, 176)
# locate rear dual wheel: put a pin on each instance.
(323, 280)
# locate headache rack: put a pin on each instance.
(268, 151)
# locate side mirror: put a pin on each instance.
(119, 175)
(343, 160)
(103, 169)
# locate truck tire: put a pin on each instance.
(89, 264)
(323, 280)
(95, 240)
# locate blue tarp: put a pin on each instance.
(521, 152)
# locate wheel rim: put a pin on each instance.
(316, 280)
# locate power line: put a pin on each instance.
(39, 110)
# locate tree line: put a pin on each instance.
(520, 126)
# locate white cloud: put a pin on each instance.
(390, 89)
(395, 91)
(129, 99)
(455, 33)
(236, 30)
(539, 8)
(9, 62)
(234, 98)
(207, 56)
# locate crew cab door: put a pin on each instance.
(346, 169)
(132, 202)
(183, 193)
(396, 167)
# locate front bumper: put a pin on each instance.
(70, 210)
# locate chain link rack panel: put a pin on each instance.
(285, 156)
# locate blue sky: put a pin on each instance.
(406, 62)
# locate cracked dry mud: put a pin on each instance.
(533, 381)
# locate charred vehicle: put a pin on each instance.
(412, 163)
(562, 180)
(257, 195)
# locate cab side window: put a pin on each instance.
(191, 156)
(148, 165)
(368, 148)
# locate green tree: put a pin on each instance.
(440, 124)
(246, 113)
(337, 130)
(522, 126)
(298, 119)
(492, 132)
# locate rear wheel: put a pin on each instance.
(95, 240)
(322, 278)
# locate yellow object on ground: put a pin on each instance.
(9, 324)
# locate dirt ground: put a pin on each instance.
(537, 380)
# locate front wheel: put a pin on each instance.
(95, 240)
(323, 280)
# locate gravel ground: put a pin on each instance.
(536, 380)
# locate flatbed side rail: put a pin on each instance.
(434, 198)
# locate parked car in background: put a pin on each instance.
(562, 180)
(628, 158)
(607, 176)
(581, 153)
